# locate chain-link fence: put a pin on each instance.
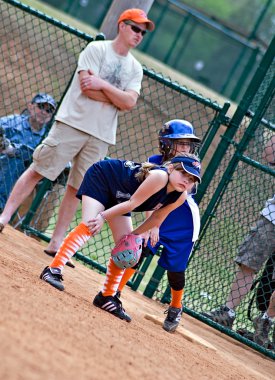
(40, 55)
(239, 181)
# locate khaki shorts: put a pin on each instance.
(65, 144)
(258, 245)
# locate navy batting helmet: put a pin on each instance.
(175, 130)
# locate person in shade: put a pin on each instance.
(19, 136)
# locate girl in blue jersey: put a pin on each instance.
(110, 190)
(179, 231)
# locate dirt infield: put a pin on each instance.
(47, 334)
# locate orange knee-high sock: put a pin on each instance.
(176, 298)
(128, 273)
(74, 240)
(112, 280)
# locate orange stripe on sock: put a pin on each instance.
(128, 273)
(177, 296)
(112, 280)
(74, 240)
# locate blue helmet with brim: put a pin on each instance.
(174, 130)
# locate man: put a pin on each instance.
(107, 80)
(19, 136)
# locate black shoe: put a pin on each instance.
(53, 276)
(221, 316)
(111, 304)
(2, 226)
(262, 329)
(173, 318)
(246, 334)
(118, 293)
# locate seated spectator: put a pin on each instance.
(19, 135)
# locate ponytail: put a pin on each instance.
(147, 166)
(144, 170)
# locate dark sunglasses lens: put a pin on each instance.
(41, 106)
(137, 30)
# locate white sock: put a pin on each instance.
(231, 313)
(266, 316)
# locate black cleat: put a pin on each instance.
(262, 329)
(173, 318)
(53, 276)
(112, 305)
(118, 293)
(221, 316)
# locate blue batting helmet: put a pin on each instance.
(174, 130)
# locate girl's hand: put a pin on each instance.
(154, 236)
(95, 224)
(145, 236)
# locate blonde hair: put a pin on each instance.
(144, 170)
(147, 166)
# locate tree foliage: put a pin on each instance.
(241, 15)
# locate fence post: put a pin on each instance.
(232, 129)
(154, 282)
(140, 274)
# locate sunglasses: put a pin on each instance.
(135, 28)
(44, 107)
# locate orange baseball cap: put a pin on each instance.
(138, 16)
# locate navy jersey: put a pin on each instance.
(113, 181)
(177, 233)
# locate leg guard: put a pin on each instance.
(176, 280)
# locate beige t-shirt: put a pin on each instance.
(93, 117)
